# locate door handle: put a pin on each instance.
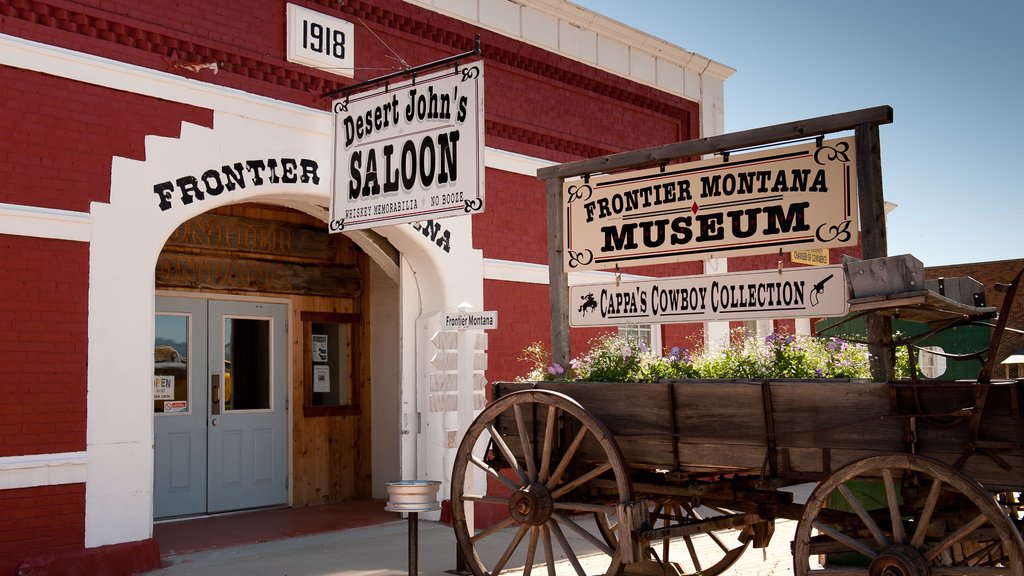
(215, 379)
(213, 422)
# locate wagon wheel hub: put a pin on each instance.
(531, 504)
(899, 560)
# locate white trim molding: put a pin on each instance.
(42, 470)
(45, 223)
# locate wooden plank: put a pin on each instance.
(820, 425)
(215, 273)
(240, 235)
(874, 243)
(558, 280)
(716, 144)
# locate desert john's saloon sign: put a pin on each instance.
(786, 198)
(409, 152)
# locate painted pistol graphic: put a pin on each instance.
(819, 289)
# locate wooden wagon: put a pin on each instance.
(911, 478)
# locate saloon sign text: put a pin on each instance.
(409, 153)
(818, 292)
(786, 198)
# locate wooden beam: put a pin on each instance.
(874, 243)
(558, 280)
(715, 144)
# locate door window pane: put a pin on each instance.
(170, 364)
(247, 364)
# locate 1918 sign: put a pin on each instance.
(781, 199)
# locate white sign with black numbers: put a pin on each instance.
(320, 41)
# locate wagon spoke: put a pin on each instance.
(549, 440)
(569, 553)
(549, 553)
(494, 473)
(955, 537)
(575, 527)
(570, 486)
(666, 522)
(926, 514)
(524, 439)
(556, 477)
(993, 552)
(500, 564)
(492, 530)
(851, 543)
(500, 442)
(531, 550)
(486, 499)
(693, 554)
(865, 517)
(898, 535)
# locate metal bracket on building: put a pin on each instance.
(407, 72)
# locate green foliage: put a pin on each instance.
(612, 358)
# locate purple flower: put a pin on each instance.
(678, 353)
(643, 347)
(555, 369)
(626, 353)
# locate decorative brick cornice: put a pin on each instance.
(191, 58)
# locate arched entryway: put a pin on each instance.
(278, 163)
(262, 383)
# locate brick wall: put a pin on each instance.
(43, 335)
(65, 133)
(990, 274)
(40, 519)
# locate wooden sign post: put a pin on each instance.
(868, 159)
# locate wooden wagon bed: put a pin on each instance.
(802, 430)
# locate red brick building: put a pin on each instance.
(166, 182)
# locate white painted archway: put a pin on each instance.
(128, 234)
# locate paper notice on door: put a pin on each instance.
(321, 378)
(319, 348)
(163, 387)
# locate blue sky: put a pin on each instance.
(952, 71)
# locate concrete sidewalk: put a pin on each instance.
(383, 551)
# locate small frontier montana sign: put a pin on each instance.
(791, 198)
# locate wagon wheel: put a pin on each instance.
(926, 519)
(538, 462)
(706, 554)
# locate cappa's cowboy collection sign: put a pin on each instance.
(780, 199)
(410, 152)
(816, 291)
